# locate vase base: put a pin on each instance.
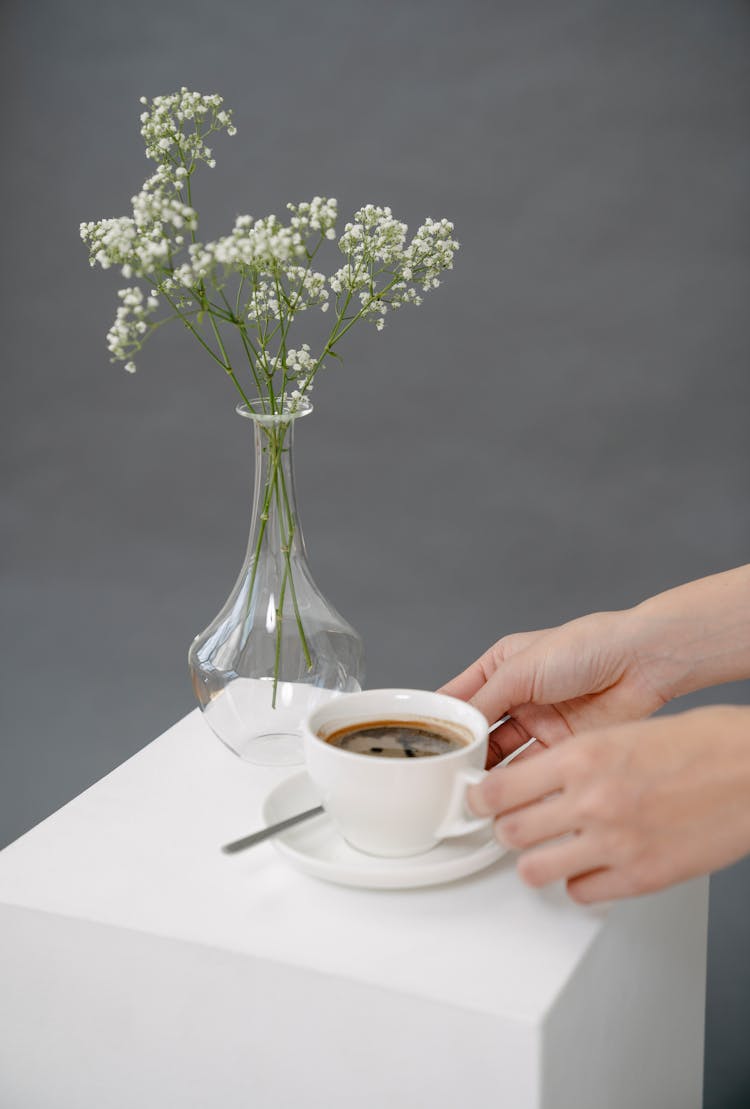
(260, 728)
(272, 749)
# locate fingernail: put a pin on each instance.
(475, 801)
(497, 832)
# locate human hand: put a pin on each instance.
(629, 809)
(612, 666)
(591, 672)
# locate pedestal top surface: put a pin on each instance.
(140, 850)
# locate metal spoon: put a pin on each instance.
(273, 829)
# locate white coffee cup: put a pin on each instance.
(395, 807)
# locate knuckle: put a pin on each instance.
(599, 804)
(627, 844)
(499, 651)
(506, 647)
(490, 793)
(579, 760)
(531, 870)
(642, 876)
(510, 831)
(620, 845)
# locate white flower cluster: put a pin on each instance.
(299, 288)
(174, 127)
(126, 334)
(318, 216)
(141, 244)
(308, 289)
(144, 243)
(429, 253)
(374, 236)
(290, 402)
(262, 245)
(263, 305)
(295, 401)
(376, 239)
(111, 241)
(270, 261)
(157, 203)
(300, 365)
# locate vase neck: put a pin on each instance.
(275, 523)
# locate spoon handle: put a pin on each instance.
(271, 830)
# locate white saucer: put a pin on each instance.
(316, 848)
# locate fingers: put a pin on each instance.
(466, 684)
(534, 824)
(509, 686)
(625, 810)
(540, 805)
(588, 876)
(505, 740)
(508, 788)
(578, 854)
(545, 722)
(603, 885)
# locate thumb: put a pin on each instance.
(513, 684)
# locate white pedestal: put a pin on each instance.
(140, 967)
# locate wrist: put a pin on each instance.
(657, 649)
(696, 635)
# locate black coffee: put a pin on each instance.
(399, 739)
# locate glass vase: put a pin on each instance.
(278, 648)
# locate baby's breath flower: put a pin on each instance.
(267, 262)
(263, 304)
(126, 334)
(110, 241)
(174, 127)
(374, 236)
(300, 363)
(295, 400)
(310, 288)
(319, 217)
(260, 245)
(430, 252)
(152, 207)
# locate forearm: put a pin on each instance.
(698, 634)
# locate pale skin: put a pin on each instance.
(625, 805)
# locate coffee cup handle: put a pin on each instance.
(458, 820)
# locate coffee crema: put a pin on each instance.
(399, 739)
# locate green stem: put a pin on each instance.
(282, 590)
(291, 309)
(188, 189)
(240, 287)
(261, 532)
(194, 331)
(337, 334)
(250, 351)
(277, 656)
(298, 617)
(276, 490)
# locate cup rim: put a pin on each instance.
(311, 728)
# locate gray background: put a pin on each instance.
(562, 427)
